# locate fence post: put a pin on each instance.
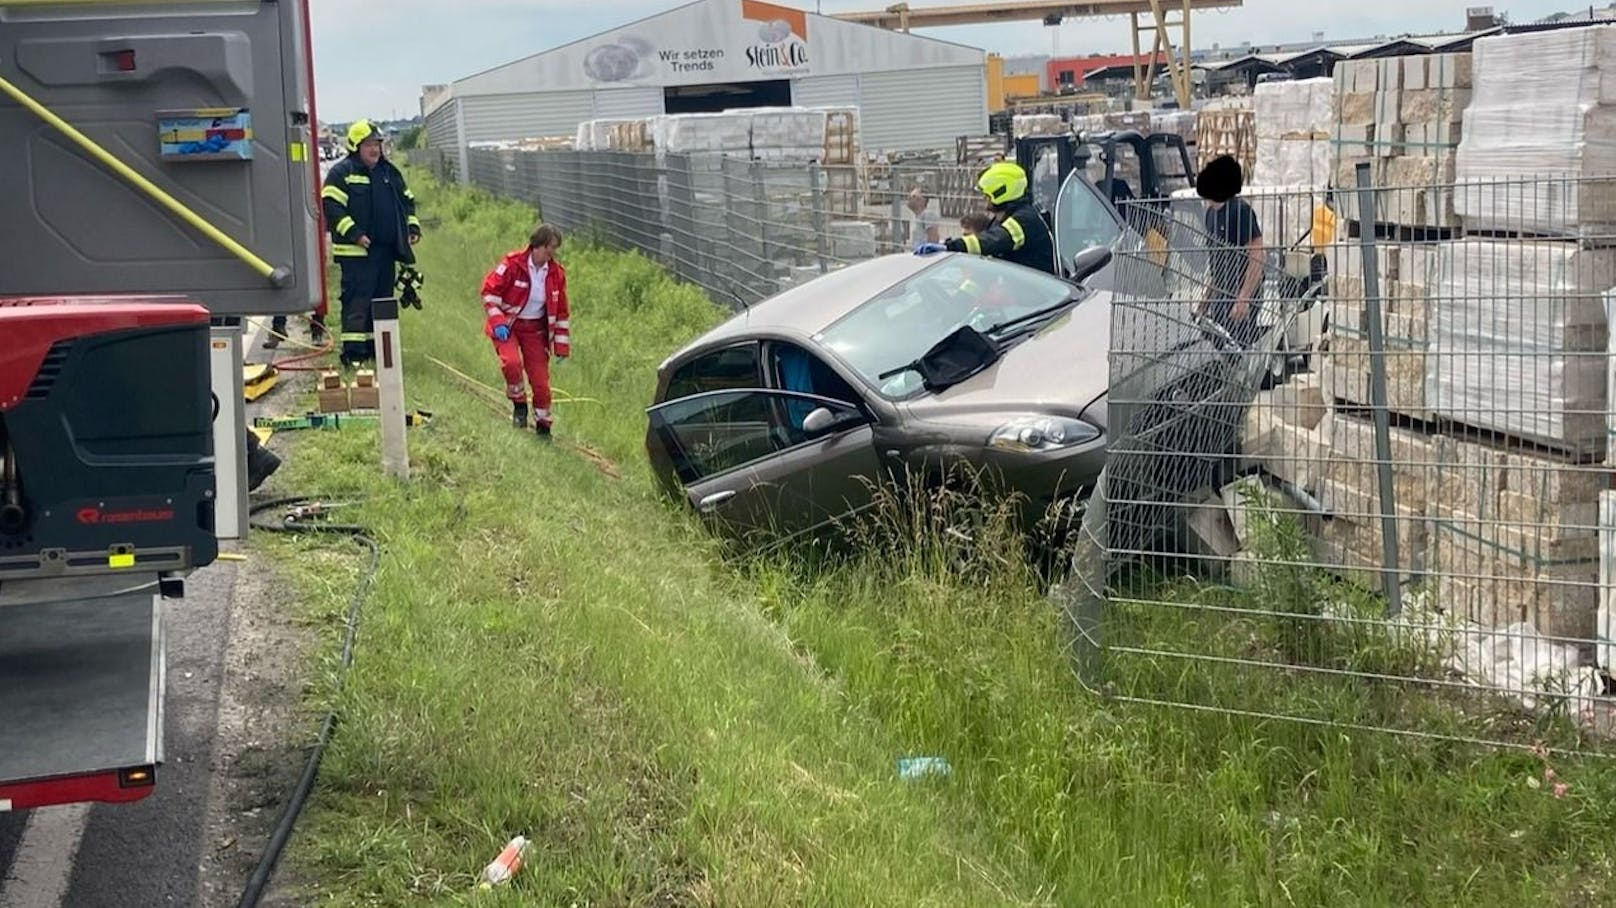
(760, 210)
(816, 193)
(1391, 571)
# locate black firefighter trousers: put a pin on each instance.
(363, 280)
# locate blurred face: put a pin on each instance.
(370, 151)
(542, 255)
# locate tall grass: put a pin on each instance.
(556, 652)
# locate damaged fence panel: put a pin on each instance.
(1395, 517)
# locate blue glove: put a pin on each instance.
(930, 248)
(502, 333)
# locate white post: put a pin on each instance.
(390, 387)
(229, 432)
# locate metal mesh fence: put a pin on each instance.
(741, 229)
(1374, 492)
(1358, 480)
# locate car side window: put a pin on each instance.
(731, 368)
(716, 433)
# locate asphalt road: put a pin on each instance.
(167, 850)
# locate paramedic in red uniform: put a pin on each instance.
(525, 297)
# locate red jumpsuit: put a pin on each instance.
(506, 292)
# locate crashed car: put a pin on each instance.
(786, 419)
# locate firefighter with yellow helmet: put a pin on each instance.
(370, 212)
(1018, 233)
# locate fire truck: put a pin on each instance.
(160, 186)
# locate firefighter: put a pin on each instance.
(371, 215)
(529, 318)
(1020, 234)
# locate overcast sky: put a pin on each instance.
(371, 57)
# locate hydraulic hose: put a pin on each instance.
(279, 277)
(259, 881)
(12, 516)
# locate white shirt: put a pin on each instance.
(920, 223)
(538, 276)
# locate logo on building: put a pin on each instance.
(782, 36)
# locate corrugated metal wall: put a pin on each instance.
(921, 109)
(491, 118)
(440, 126)
(629, 103)
(825, 91)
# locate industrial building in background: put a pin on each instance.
(714, 55)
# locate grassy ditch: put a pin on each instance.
(552, 651)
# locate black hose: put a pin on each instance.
(259, 881)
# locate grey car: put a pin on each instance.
(784, 419)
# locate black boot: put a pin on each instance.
(317, 329)
(277, 327)
(519, 415)
(543, 430)
(261, 463)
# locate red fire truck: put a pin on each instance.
(161, 184)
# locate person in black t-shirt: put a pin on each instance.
(1235, 257)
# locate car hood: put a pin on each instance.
(1060, 370)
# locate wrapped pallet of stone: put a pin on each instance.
(708, 133)
(1515, 538)
(788, 133)
(1543, 120)
(1025, 125)
(1405, 305)
(1292, 122)
(1519, 339)
(1402, 116)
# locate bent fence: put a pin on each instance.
(1390, 508)
(1383, 502)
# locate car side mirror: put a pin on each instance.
(1089, 262)
(824, 420)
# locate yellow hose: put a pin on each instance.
(280, 277)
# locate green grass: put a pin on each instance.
(554, 652)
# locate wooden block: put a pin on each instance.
(364, 378)
(330, 379)
(334, 400)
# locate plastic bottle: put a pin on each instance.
(501, 869)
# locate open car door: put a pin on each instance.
(763, 466)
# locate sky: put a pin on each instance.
(401, 45)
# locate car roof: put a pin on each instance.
(807, 309)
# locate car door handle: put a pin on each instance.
(711, 502)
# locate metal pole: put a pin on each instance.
(816, 192)
(390, 388)
(229, 431)
(1391, 573)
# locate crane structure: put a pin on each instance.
(1159, 19)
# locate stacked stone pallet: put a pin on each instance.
(1293, 122)
(1503, 537)
(1403, 116)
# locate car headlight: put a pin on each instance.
(1042, 433)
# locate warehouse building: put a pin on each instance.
(710, 55)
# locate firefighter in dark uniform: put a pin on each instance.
(371, 214)
(1018, 233)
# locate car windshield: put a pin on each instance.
(895, 328)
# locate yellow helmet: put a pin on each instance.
(1003, 183)
(359, 132)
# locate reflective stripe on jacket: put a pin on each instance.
(506, 290)
(346, 203)
(1021, 237)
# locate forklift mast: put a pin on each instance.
(162, 181)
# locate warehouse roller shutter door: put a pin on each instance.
(628, 103)
(531, 115)
(826, 91)
(913, 110)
